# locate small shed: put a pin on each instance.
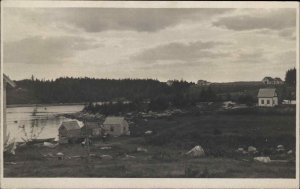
(69, 130)
(267, 97)
(116, 126)
(91, 129)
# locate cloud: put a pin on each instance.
(287, 58)
(255, 56)
(104, 19)
(180, 52)
(39, 50)
(274, 19)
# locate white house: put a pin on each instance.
(116, 126)
(272, 81)
(267, 97)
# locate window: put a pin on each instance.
(268, 101)
(112, 129)
(262, 101)
(273, 101)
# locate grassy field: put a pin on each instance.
(219, 135)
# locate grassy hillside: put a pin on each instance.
(219, 135)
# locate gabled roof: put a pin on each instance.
(70, 125)
(8, 80)
(269, 92)
(114, 120)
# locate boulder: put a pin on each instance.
(127, 157)
(50, 145)
(148, 132)
(280, 148)
(290, 152)
(252, 149)
(105, 148)
(240, 150)
(262, 159)
(60, 156)
(106, 157)
(140, 149)
(197, 151)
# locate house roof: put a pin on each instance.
(70, 125)
(8, 80)
(114, 120)
(269, 92)
(277, 78)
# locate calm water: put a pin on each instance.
(37, 122)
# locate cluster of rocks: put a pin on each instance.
(253, 150)
(250, 150)
(165, 113)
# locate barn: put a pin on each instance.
(69, 131)
(267, 97)
(116, 126)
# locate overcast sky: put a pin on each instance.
(218, 45)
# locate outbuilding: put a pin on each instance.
(69, 131)
(91, 129)
(116, 126)
(267, 97)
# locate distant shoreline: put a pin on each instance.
(39, 105)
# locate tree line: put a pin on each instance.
(159, 95)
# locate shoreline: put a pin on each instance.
(41, 105)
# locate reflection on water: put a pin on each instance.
(25, 123)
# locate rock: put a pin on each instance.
(290, 152)
(262, 159)
(140, 149)
(106, 157)
(252, 149)
(240, 150)
(280, 148)
(128, 157)
(148, 132)
(197, 151)
(50, 145)
(60, 156)
(105, 148)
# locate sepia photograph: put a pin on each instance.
(148, 90)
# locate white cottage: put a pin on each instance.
(267, 97)
(116, 126)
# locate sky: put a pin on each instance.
(214, 44)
